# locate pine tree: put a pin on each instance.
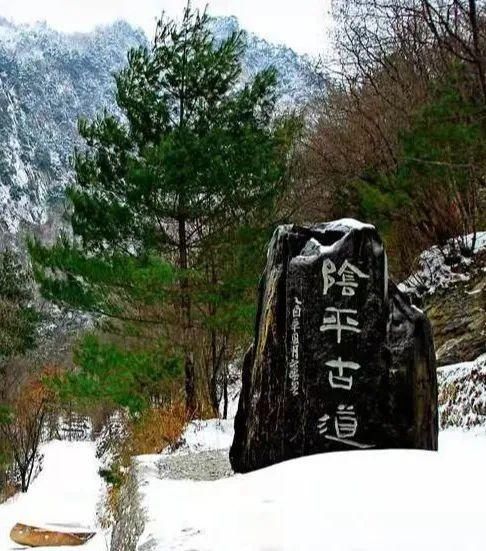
(18, 318)
(196, 158)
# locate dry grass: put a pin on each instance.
(8, 491)
(156, 429)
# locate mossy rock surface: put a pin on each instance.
(458, 316)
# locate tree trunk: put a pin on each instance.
(189, 370)
(214, 372)
(24, 486)
(190, 385)
(225, 392)
(473, 18)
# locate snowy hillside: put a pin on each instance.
(49, 79)
(298, 80)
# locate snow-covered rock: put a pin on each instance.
(462, 395)
(440, 267)
(288, 408)
(450, 286)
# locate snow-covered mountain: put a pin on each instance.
(298, 79)
(49, 79)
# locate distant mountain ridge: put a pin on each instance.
(49, 79)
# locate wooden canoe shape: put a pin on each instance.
(41, 537)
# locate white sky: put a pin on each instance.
(301, 24)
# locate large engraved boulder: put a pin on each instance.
(341, 359)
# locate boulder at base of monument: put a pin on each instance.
(341, 359)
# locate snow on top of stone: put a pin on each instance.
(436, 272)
(314, 248)
(350, 223)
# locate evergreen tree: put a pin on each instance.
(18, 318)
(166, 192)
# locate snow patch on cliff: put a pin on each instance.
(440, 267)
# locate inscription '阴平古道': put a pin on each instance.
(341, 372)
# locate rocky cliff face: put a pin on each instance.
(458, 315)
(450, 285)
(49, 79)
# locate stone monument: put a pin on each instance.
(341, 358)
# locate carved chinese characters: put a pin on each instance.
(349, 276)
(345, 427)
(344, 424)
(337, 373)
(333, 322)
(294, 352)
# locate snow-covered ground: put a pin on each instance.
(64, 497)
(387, 500)
(369, 501)
(375, 500)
